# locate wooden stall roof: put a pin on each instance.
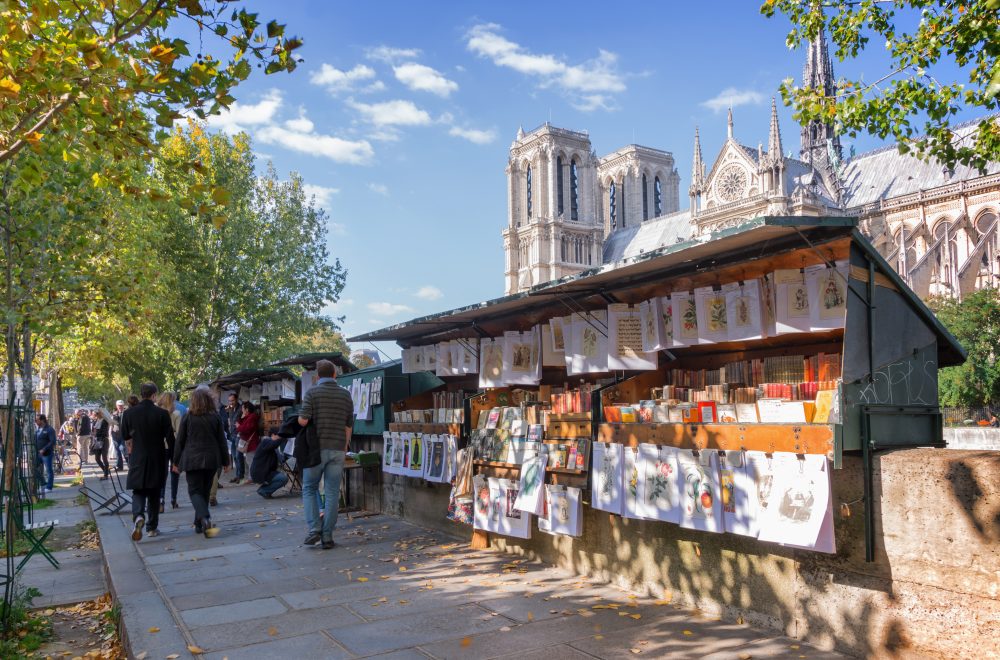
(595, 288)
(309, 360)
(249, 376)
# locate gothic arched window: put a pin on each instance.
(657, 198)
(559, 184)
(613, 204)
(645, 199)
(527, 180)
(574, 201)
(623, 201)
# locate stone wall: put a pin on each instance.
(933, 589)
(972, 438)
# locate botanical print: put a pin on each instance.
(742, 312)
(698, 500)
(649, 329)
(558, 338)
(606, 486)
(608, 477)
(716, 315)
(659, 476)
(728, 481)
(534, 471)
(833, 298)
(588, 346)
(668, 318)
(632, 482)
(689, 319)
(767, 291)
(798, 300)
(482, 502)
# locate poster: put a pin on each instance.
(387, 451)
(447, 364)
(588, 348)
(739, 515)
(713, 319)
(744, 317)
(532, 484)
(491, 362)
(828, 288)
(606, 483)
(684, 312)
(792, 303)
(482, 503)
(415, 467)
(632, 483)
(430, 357)
(800, 507)
(450, 458)
(660, 483)
(521, 358)
(435, 470)
(401, 450)
(654, 335)
(565, 510)
(409, 357)
(467, 355)
(768, 312)
(550, 356)
(513, 521)
(701, 499)
(625, 340)
(559, 326)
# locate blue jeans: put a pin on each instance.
(277, 480)
(46, 462)
(330, 469)
(239, 462)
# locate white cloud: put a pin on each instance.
(731, 97)
(390, 54)
(392, 113)
(387, 309)
(240, 117)
(474, 135)
(429, 293)
(336, 80)
(354, 152)
(379, 188)
(302, 124)
(422, 78)
(322, 194)
(592, 81)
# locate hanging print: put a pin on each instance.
(632, 483)
(491, 362)
(793, 303)
(828, 287)
(661, 486)
(513, 521)
(565, 510)
(710, 306)
(685, 316)
(651, 319)
(625, 340)
(606, 484)
(743, 308)
(482, 502)
(531, 496)
(738, 513)
(588, 346)
(416, 466)
(701, 497)
(800, 511)
(550, 356)
(435, 460)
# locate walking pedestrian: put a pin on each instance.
(148, 430)
(329, 408)
(83, 432)
(249, 430)
(233, 410)
(45, 445)
(168, 402)
(67, 434)
(100, 441)
(116, 435)
(199, 452)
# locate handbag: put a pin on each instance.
(242, 445)
(96, 445)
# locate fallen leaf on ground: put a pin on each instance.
(465, 640)
(138, 656)
(635, 650)
(794, 646)
(636, 616)
(196, 650)
(154, 629)
(688, 632)
(362, 579)
(173, 656)
(272, 631)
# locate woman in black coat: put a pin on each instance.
(200, 450)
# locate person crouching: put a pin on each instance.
(264, 469)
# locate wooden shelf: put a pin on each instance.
(557, 476)
(569, 417)
(439, 429)
(794, 438)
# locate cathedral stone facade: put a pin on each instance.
(570, 210)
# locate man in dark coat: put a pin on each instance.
(148, 431)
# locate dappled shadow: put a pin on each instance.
(968, 490)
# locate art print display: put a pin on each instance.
(762, 470)
(387, 442)
(739, 515)
(625, 340)
(521, 358)
(660, 483)
(713, 319)
(685, 317)
(792, 309)
(701, 499)
(828, 288)
(411, 362)
(606, 481)
(768, 311)
(800, 507)
(632, 492)
(435, 459)
(512, 521)
(468, 355)
(415, 467)
(550, 356)
(745, 320)
(565, 510)
(588, 352)
(430, 357)
(451, 458)
(532, 483)
(557, 340)
(491, 362)
(482, 504)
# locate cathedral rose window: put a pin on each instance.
(732, 183)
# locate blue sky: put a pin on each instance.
(401, 116)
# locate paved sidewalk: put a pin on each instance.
(388, 590)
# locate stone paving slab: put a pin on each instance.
(255, 592)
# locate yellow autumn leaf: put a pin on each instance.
(688, 632)
(466, 641)
(154, 629)
(173, 656)
(362, 579)
(8, 87)
(272, 631)
(636, 616)
(402, 568)
(195, 650)
(598, 636)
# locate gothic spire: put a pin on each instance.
(774, 137)
(698, 167)
(820, 144)
(730, 126)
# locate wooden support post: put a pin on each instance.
(480, 540)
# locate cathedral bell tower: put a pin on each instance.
(552, 223)
(820, 142)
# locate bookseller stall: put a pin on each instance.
(374, 391)
(271, 388)
(306, 362)
(713, 385)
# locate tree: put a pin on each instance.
(910, 103)
(975, 322)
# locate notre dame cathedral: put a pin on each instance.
(570, 210)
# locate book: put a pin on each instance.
(612, 414)
(824, 404)
(746, 413)
(675, 415)
(689, 413)
(629, 415)
(778, 411)
(707, 412)
(557, 456)
(661, 413)
(493, 419)
(535, 432)
(646, 411)
(726, 413)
